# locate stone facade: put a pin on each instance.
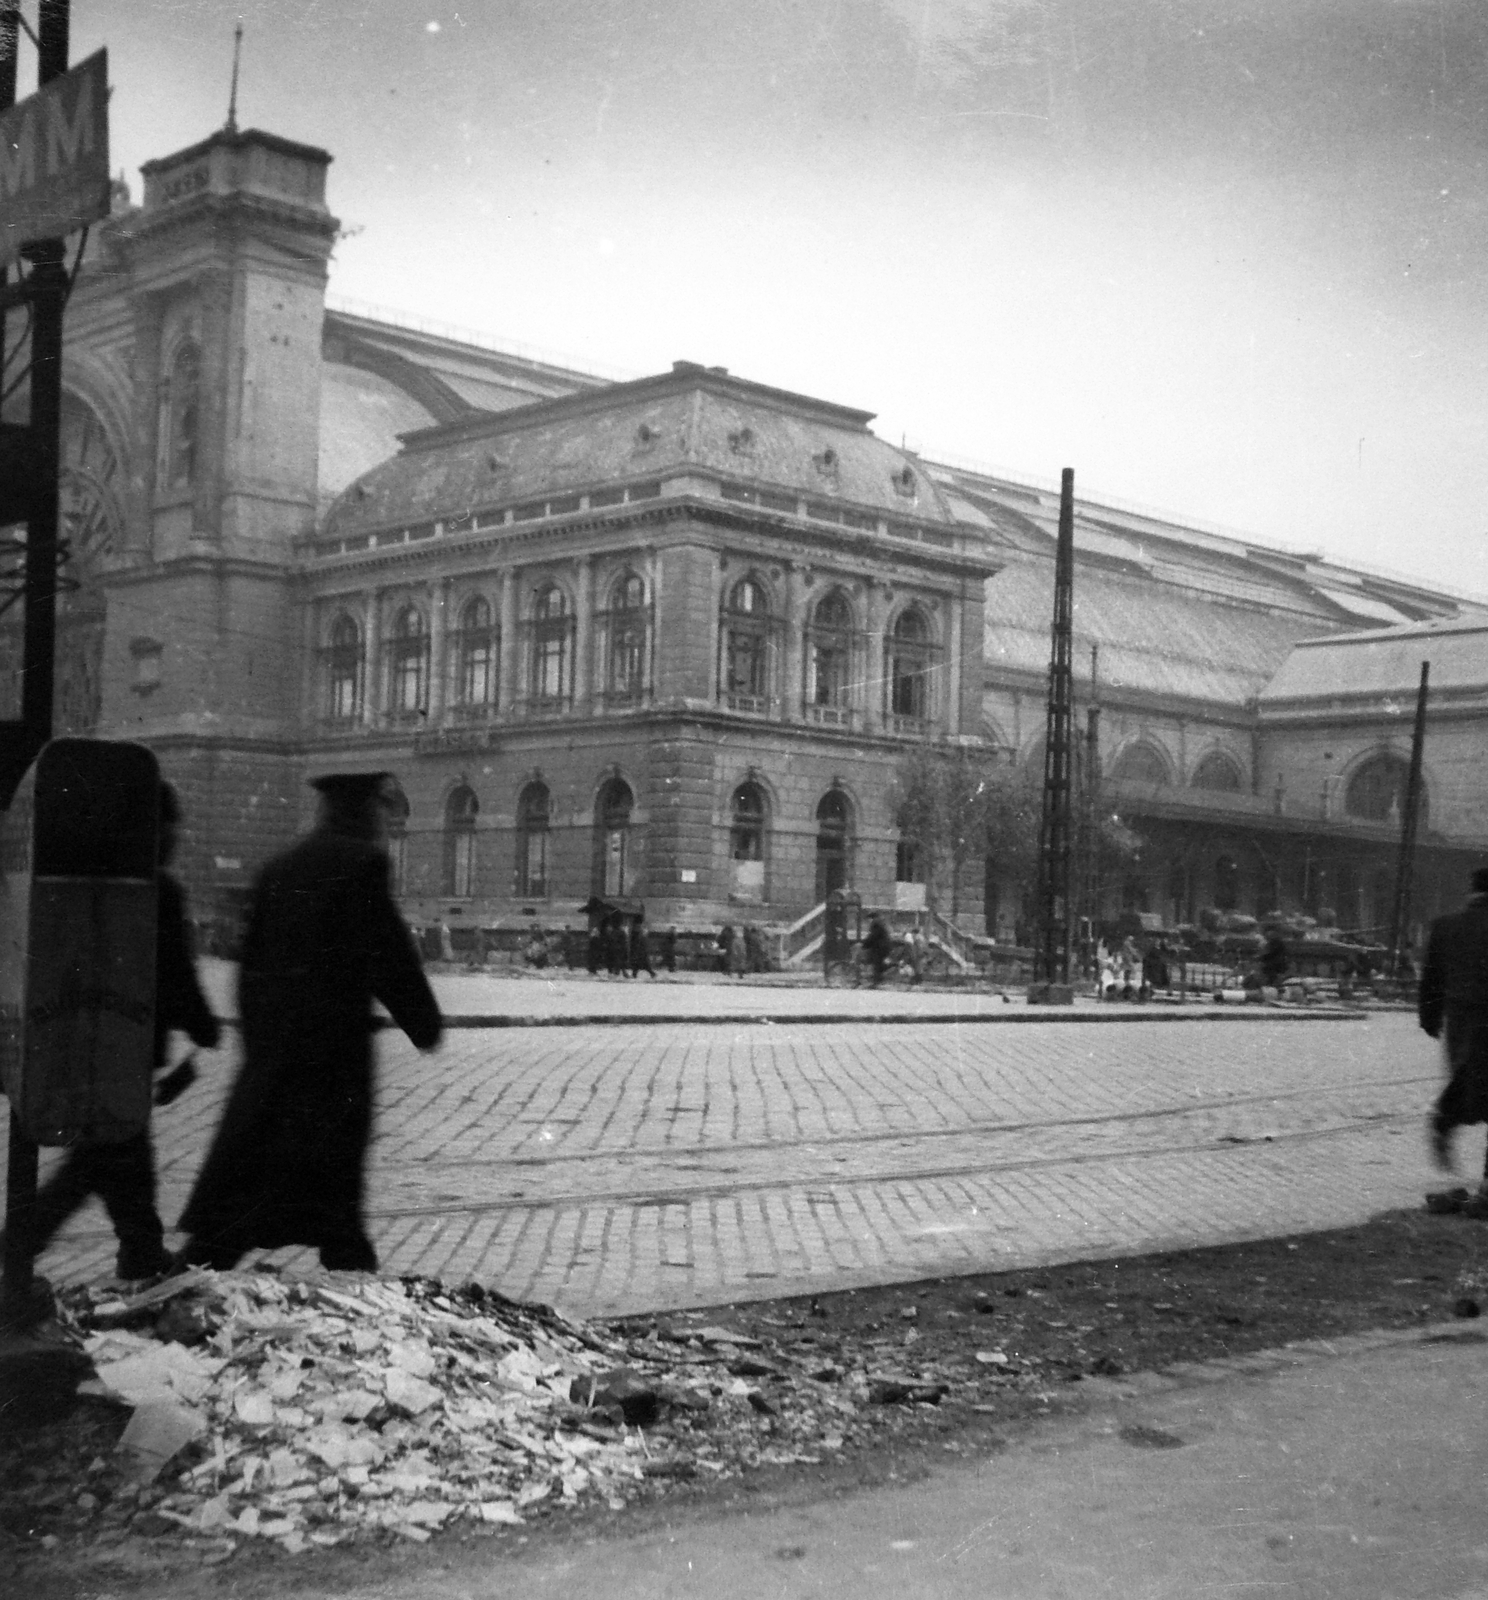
(669, 638)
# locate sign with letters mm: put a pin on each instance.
(54, 158)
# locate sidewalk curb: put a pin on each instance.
(1288, 1357)
(895, 1018)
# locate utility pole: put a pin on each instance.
(1051, 959)
(1405, 867)
(46, 286)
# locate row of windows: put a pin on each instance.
(476, 654)
(614, 874)
(1375, 793)
(834, 668)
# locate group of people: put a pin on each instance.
(287, 1163)
(618, 943)
(1129, 972)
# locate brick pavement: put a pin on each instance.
(627, 1168)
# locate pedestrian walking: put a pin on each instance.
(876, 946)
(725, 943)
(122, 1174)
(738, 952)
(324, 941)
(596, 948)
(669, 949)
(640, 957)
(616, 945)
(1454, 997)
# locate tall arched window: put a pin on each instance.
(612, 827)
(552, 648)
(534, 807)
(182, 416)
(1377, 791)
(396, 803)
(1218, 772)
(746, 647)
(747, 842)
(909, 667)
(459, 843)
(833, 842)
(625, 678)
(408, 663)
(829, 659)
(1140, 763)
(1226, 884)
(478, 651)
(344, 670)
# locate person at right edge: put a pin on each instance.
(1454, 993)
(324, 940)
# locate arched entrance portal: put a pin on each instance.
(833, 842)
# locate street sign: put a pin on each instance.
(54, 158)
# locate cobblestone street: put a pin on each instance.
(620, 1168)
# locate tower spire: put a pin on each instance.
(232, 99)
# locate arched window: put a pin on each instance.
(829, 659)
(612, 827)
(182, 416)
(747, 842)
(344, 670)
(1377, 791)
(746, 647)
(1140, 763)
(534, 807)
(459, 843)
(909, 667)
(396, 803)
(833, 842)
(552, 648)
(1218, 772)
(1226, 884)
(408, 663)
(478, 651)
(625, 676)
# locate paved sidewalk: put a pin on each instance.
(517, 998)
(1350, 1472)
(631, 1168)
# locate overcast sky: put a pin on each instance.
(1226, 258)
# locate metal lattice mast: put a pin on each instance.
(1400, 913)
(1052, 957)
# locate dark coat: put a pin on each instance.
(324, 940)
(179, 1002)
(1454, 994)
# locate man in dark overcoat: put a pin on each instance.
(1454, 994)
(324, 940)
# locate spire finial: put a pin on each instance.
(232, 99)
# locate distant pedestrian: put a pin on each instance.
(724, 942)
(595, 948)
(122, 1175)
(738, 952)
(876, 946)
(640, 957)
(1273, 959)
(1454, 996)
(669, 949)
(324, 940)
(617, 947)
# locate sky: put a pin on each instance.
(1225, 258)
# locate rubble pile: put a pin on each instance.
(313, 1411)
